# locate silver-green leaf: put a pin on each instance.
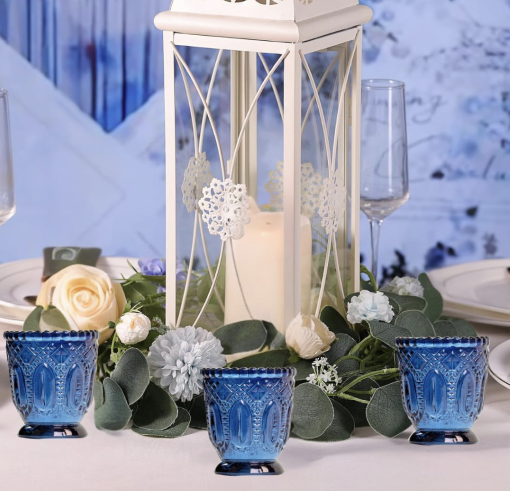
(132, 374)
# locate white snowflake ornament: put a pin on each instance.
(225, 208)
(332, 203)
(311, 186)
(196, 177)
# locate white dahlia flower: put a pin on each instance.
(176, 360)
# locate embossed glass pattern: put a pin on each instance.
(248, 417)
(52, 376)
(443, 384)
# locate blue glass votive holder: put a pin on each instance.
(443, 385)
(248, 417)
(52, 377)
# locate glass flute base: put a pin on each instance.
(52, 431)
(444, 438)
(249, 468)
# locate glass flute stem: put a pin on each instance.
(375, 232)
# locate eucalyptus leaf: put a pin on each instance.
(408, 302)
(397, 308)
(197, 413)
(132, 374)
(304, 368)
(266, 359)
(434, 299)
(387, 333)
(53, 320)
(463, 327)
(340, 348)
(445, 329)
(180, 426)
(98, 394)
(275, 339)
(242, 336)
(33, 321)
(385, 411)
(341, 428)
(115, 412)
(156, 410)
(313, 412)
(358, 410)
(345, 365)
(336, 323)
(416, 322)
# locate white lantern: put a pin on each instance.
(262, 116)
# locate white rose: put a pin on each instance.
(308, 336)
(404, 286)
(87, 298)
(369, 306)
(133, 328)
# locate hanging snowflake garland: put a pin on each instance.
(311, 187)
(224, 208)
(196, 177)
(332, 203)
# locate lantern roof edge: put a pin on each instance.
(287, 31)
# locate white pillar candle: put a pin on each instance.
(259, 261)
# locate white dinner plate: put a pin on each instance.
(499, 364)
(481, 288)
(20, 279)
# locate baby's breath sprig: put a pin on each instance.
(324, 376)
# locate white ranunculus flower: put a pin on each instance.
(133, 328)
(404, 286)
(308, 336)
(368, 306)
(87, 298)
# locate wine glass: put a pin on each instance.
(384, 168)
(7, 200)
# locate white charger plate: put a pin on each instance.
(20, 279)
(499, 364)
(482, 287)
(462, 313)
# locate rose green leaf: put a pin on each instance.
(336, 323)
(417, 323)
(385, 412)
(156, 410)
(340, 348)
(433, 297)
(115, 413)
(242, 336)
(313, 412)
(387, 333)
(180, 426)
(445, 329)
(33, 321)
(341, 428)
(132, 374)
(408, 302)
(267, 359)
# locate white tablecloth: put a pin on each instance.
(125, 461)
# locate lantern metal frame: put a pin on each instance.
(247, 40)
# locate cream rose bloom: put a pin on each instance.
(308, 336)
(87, 298)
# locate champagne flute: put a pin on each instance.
(384, 166)
(7, 199)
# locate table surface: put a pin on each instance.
(125, 461)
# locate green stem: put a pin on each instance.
(364, 269)
(361, 392)
(352, 398)
(356, 381)
(362, 345)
